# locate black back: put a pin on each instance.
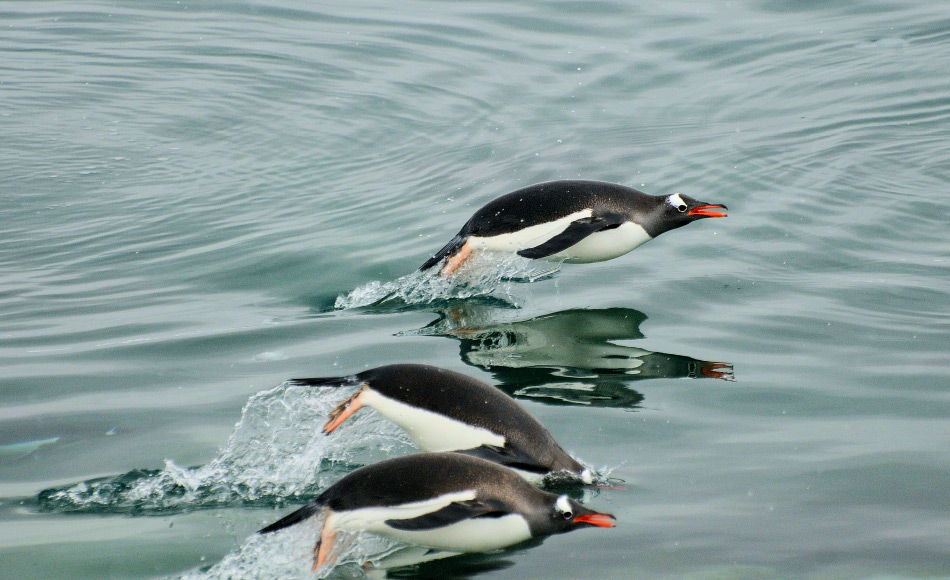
(423, 476)
(552, 200)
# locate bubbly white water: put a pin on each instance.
(483, 274)
(276, 451)
(288, 554)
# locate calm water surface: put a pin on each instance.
(200, 200)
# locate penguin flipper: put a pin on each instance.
(508, 457)
(454, 245)
(575, 232)
(454, 512)
(298, 516)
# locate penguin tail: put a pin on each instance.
(325, 381)
(454, 245)
(295, 517)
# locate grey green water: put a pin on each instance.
(200, 200)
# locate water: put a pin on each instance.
(203, 200)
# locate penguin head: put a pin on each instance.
(677, 210)
(566, 515)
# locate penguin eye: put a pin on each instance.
(564, 507)
(676, 201)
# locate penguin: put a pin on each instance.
(571, 221)
(445, 501)
(443, 410)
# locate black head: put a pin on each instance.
(677, 210)
(563, 514)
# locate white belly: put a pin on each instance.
(596, 247)
(431, 431)
(605, 245)
(372, 518)
(528, 237)
(473, 535)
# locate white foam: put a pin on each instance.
(276, 451)
(288, 554)
(484, 273)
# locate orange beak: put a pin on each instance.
(709, 210)
(599, 520)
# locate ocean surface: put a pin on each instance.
(202, 200)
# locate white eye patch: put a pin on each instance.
(675, 200)
(563, 505)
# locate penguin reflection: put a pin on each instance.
(568, 357)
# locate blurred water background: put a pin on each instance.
(200, 200)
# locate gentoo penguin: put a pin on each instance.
(443, 410)
(446, 501)
(571, 221)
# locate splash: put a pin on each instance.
(275, 453)
(288, 554)
(484, 274)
